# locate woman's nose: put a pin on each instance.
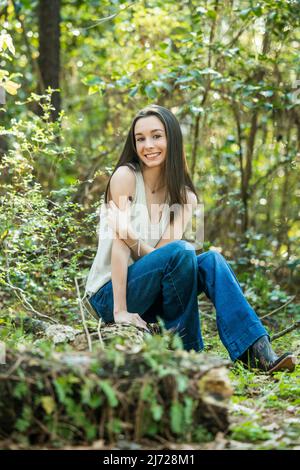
(149, 143)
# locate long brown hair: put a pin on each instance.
(176, 169)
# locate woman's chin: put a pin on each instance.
(153, 163)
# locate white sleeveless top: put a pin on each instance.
(100, 272)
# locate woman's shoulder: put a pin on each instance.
(126, 168)
(123, 181)
(123, 172)
(191, 196)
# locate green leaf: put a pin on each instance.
(6, 43)
(20, 390)
(151, 92)
(123, 81)
(48, 404)
(60, 390)
(177, 417)
(184, 79)
(161, 84)
(201, 10)
(133, 91)
(3, 73)
(163, 55)
(267, 93)
(147, 392)
(188, 410)
(109, 392)
(211, 14)
(163, 45)
(93, 89)
(24, 422)
(182, 383)
(11, 87)
(211, 71)
(157, 411)
(245, 12)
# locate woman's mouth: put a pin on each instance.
(152, 156)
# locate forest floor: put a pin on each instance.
(264, 409)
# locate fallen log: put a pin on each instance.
(59, 333)
(151, 391)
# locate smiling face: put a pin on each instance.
(151, 141)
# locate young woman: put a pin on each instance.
(144, 269)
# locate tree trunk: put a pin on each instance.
(49, 48)
(207, 88)
(248, 170)
(247, 174)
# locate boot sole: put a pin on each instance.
(90, 310)
(286, 363)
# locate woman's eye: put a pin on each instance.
(156, 136)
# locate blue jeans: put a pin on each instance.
(166, 282)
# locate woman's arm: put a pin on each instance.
(119, 267)
(138, 247)
(121, 188)
(174, 231)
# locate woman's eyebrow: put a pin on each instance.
(154, 130)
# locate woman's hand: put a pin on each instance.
(119, 220)
(132, 318)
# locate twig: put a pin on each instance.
(203, 304)
(83, 317)
(107, 18)
(45, 429)
(287, 330)
(99, 333)
(269, 173)
(236, 37)
(12, 368)
(279, 308)
(20, 293)
(27, 304)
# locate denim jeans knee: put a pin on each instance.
(181, 245)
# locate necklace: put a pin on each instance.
(153, 191)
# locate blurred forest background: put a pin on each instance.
(229, 71)
(73, 74)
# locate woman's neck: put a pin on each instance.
(153, 177)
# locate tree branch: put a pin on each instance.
(287, 330)
(21, 294)
(279, 308)
(254, 186)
